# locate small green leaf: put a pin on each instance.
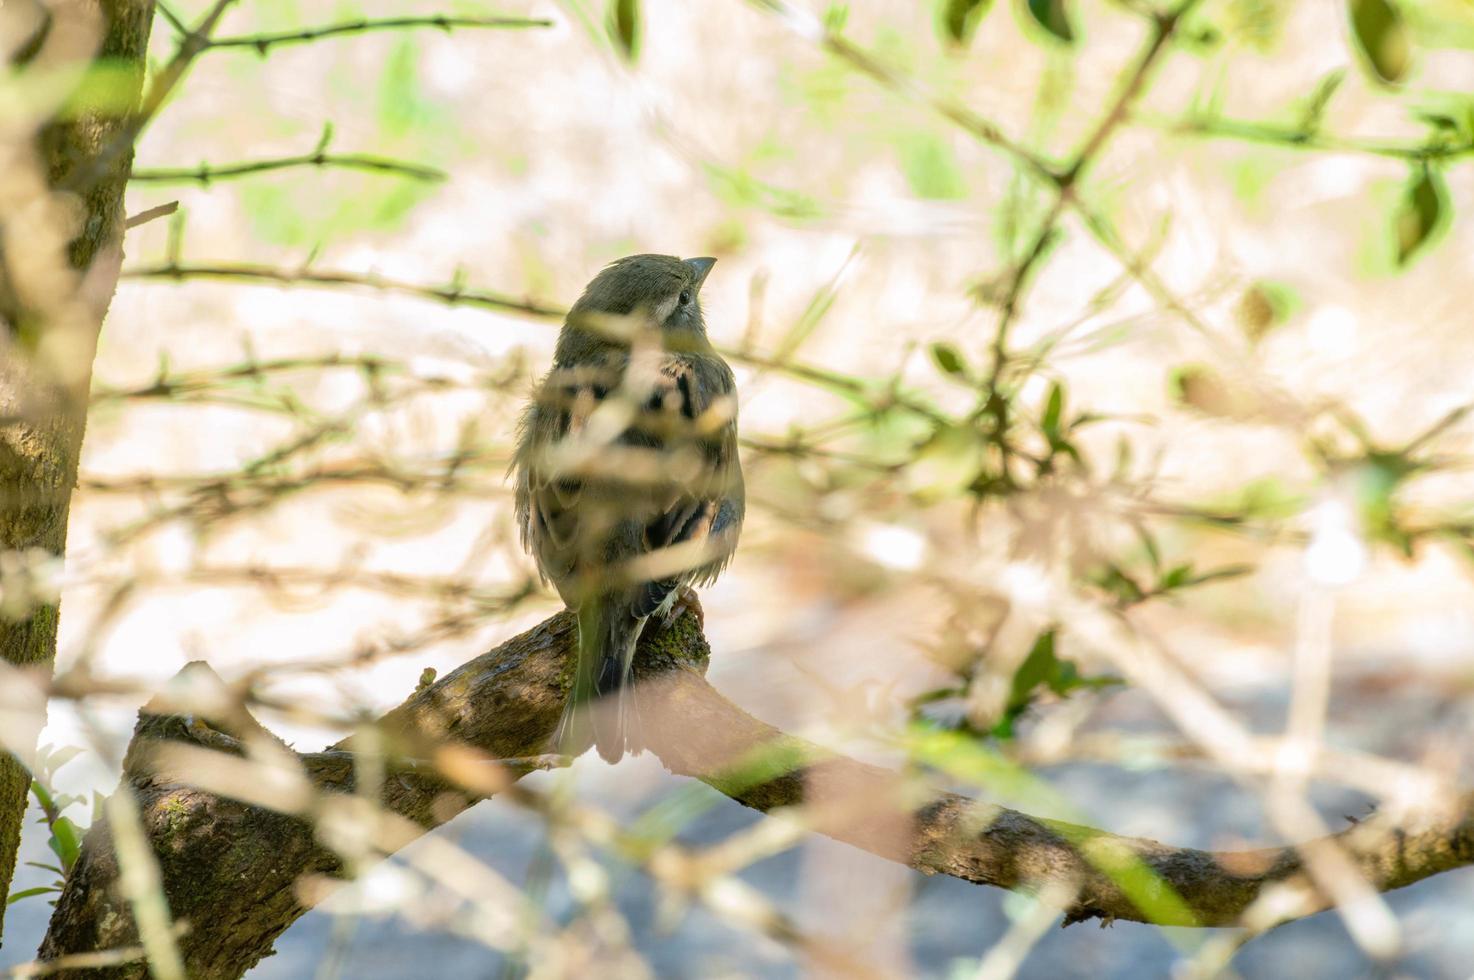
(1125, 589)
(1052, 16)
(930, 167)
(624, 26)
(1043, 667)
(949, 359)
(836, 15)
(960, 18)
(1315, 106)
(65, 842)
(1382, 37)
(43, 795)
(1176, 576)
(1037, 668)
(1054, 408)
(1420, 212)
(28, 892)
(1218, 574)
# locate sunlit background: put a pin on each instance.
(1256, 359)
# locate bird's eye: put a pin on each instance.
(685, 297)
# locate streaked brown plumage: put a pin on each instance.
(629, 487)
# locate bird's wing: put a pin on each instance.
(683, 412)
(696, 514)
(549, 502)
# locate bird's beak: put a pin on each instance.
(700, 267)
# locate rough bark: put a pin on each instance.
(232, 870)
(49, 319)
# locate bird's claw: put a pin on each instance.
(686, 599)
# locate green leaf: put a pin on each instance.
(65, 842)
(1419, 214)
(960, 18)
(1382, 37)
(1037, 667)
(1044, 667)
(28, 892)
(1053, 409)
(400, 96)
(1218, 574)
(624, 27)
(836, 15)
(1052, 16)
(930, 167)
(1176, 576)
(1115, 581)
(1315, 106)
(43, 795)
(949, 359)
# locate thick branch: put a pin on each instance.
(232, 871)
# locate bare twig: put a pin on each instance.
(144, 217)
(245, 272)
(206, 173)
(264, 43)
(190, 46)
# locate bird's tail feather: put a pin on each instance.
(601, 707)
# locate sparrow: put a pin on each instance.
(628, 486)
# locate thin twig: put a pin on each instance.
(1299, 138)
(191, 44)
(144, 217)
(206, 173)
(247, 272)
(263, 43)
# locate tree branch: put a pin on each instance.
(232, 870)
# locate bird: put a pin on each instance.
(628, 486)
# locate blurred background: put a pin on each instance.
(1227, 427)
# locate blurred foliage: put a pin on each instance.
(1020, 435)
(968, 429)
(1382, 38)
(65, 834)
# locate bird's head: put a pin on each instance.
(662, 289)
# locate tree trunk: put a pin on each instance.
(59, 258)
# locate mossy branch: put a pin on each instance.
(233, 871)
